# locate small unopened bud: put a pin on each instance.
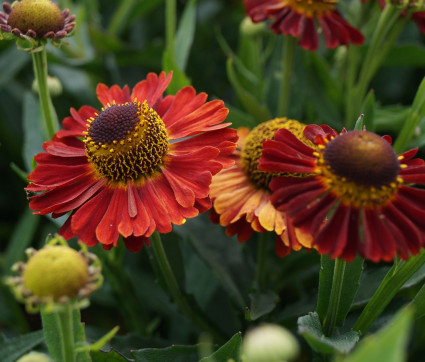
(53, 84)
(249, 28)
(35, 357)
(270, 343)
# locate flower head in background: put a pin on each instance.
(418, 16)
(241, 194)
(142, 163)
(357, 178)
(301, 18)
(38, 19)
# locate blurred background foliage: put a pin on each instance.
(119, 42)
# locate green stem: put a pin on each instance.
(287, 65)
(334, 299)
(179, 298)
(65, 324)
(398, 275)
(51, 124)
(263, 244)
(170, 25)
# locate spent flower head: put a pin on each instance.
(35, 20)
(55, 275)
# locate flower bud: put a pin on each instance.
(270, 343)
(53, 84)
(56, 271)
(35, 357)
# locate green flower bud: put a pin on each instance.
(270, 343)
(56, 271)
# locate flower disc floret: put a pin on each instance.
(363, 158)
(56, 271)
(40, 16)
(253, 147)
(36, 19)
(126, 142)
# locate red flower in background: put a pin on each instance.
(142, 163)
(370, 192)
(301, 18)
(418, 17)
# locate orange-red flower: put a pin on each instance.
(241, 196)
(300, 18)
(357, 178)
(142, 163)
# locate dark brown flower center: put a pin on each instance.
(126, 142)
(41, 16)
(363, 158)
(253, 148)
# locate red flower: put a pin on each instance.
(241, 195)
(142, 163)
(357, 177)
(418, 17)
(300, 18)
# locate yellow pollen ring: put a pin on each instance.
(135, 154)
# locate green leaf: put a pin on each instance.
(12, 349)
(387, 345)
(257, 110)
(229, 351)
(179, 77)
(111, 356)
(21, 239)
(169, 354)
(352, 274)
(224, 260)
(185, 34)
(12, 61)
(418, 303)
(310, 328)
(262, 303)
(417, 112)
(33, 134)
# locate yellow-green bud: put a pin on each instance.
(56, 271)
(40, 16)
(270, 343)
(35, 357)
(53, 84)
(249, 28)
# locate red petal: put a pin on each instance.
(86, 219)
(152, 88)
(309, 39)
(53, 200)
(114, 94)
(332, 239)
(135, 243)
(107, 230)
